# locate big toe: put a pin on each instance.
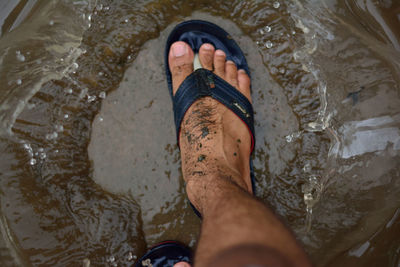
(180, 60)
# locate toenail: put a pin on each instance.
(182, 264)
(208, 46)
(220, 53)
(230, 62)
(242, 71)
(179, 49)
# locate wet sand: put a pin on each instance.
(133, 137)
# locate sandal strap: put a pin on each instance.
(202, 83)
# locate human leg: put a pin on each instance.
(215, 151)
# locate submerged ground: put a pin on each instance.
(89, 165)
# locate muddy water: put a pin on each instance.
(89, 167)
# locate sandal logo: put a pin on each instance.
(243, 110)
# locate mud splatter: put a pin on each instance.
(204, 131)
(201, 158)
(189, 137)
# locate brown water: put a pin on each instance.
(89, 168)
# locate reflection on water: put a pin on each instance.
(371, 135)
(90, 171)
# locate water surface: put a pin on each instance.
(90, 171)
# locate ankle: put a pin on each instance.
(206, 191)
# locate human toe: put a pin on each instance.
(206, 56)
(244, 84)
(180, 60)
(219, 63)
(231, 73)
(182, 264)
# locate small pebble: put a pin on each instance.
(276, 5)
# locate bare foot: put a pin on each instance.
(212, 139)
(215, 149)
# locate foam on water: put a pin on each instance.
(362, 131)
(44, 64)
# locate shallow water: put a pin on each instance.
(90, 168)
